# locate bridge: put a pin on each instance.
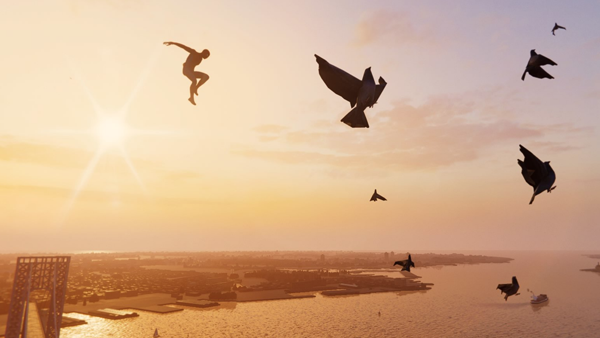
(31, 274)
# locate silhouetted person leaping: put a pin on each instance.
(190, 63)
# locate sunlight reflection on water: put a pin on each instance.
(462, 303)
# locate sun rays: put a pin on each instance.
(111, 131)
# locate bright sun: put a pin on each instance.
(111, 131)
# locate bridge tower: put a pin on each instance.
(38, 273)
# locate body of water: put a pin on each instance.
(463, 302)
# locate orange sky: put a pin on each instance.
(262, 161)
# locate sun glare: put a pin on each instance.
(111, 131)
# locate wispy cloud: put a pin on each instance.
(27, 152)
(393, 28)
(97, 196)
(270, 129)
(55, 156)
(439, 133)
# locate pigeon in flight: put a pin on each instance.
(376, 196)
(405, 264)
(534, 66)
(509, 289)
(536, 173)
(557, 26)
(361, 94)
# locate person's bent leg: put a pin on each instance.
(203, 78)
(193, 89)
(192, 78)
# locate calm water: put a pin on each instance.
(463, 303)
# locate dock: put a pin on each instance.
(68, 321)
(197, 303)
(113, 314)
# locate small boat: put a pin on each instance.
(596, 269)
(539, 299)
(156, 335)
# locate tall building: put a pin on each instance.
(386, 256)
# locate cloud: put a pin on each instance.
(18, 151)
(13, 150)
(391, 27)
(76, 6)
(437, 134)
(269, 129)
(97, 196)
(182, 176)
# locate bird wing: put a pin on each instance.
(379, 88)
(531, 161)
(339, 81)
(523, 76)
(560, 27)
(534, 166)
(374, 197)
(526, 173)
(539, 72)
(400, 263)
(504, 287)
(542, 60)
(380, 197)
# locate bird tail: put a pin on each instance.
(523, 77)
(356, 118)
(532, 198)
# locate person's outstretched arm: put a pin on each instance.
(186, 48)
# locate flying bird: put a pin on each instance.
(534, 66)
(509, 289)
(405, 264)
(376, 196)
(536, 173)
(360, 94)
(557, 26)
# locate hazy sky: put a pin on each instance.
(262, 162)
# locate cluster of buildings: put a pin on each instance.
(121, 280)
(329, 259)
(98, 276)
(320, 280)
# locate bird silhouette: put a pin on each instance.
(534, 66)
(557, 26)
(536, 173)
(405, 264)
(509, 289)
(361, 94)
(376, 196)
